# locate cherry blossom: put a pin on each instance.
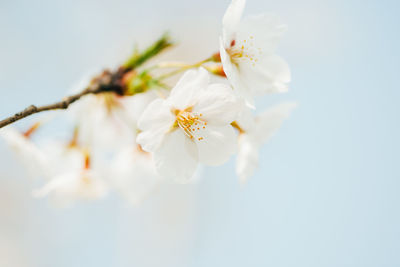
(247, 49)
(192, 125)
(130, 127)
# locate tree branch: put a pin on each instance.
(106, 82)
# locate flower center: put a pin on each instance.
(110, 102)
(190, 123)
(244, 50)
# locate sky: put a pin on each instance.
(326, 191)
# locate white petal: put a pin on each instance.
(183, 95)
(231, 20)
(247, 158)
(234, 77)
(278, 68)
(177, 157)
(151, 139)
(229, 68)
(134, 175)
(71, 186)
(246, 120)
(56, 182)
(269, 75)
(267, 124)
(261, 70)
(215, 144)
(63, 158)
(155, 122)
(261, 32)
(218, 104)
(34, 158)
(134, 106)
(258, 70)
(271, 120)
(157, 113)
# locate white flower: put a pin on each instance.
(133, 174)
(247, 50)
(66, 168)
(72, 176)
(254, 132)
(192, 125)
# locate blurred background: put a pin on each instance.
(326, 193)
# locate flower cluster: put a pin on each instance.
(144, 132)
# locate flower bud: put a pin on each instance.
(217, 70)
(139, 83)
(216, 57)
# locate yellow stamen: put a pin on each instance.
(189, 122)
(244, 51)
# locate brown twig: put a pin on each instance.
(106, 82)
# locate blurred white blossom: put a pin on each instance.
(254, 132)
(133, 174)
(73, 175)
(101, 120)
